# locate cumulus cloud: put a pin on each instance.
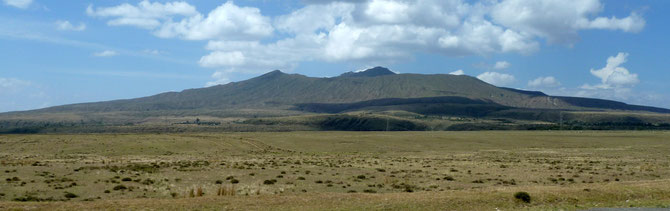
(498, 79)
(220, 77)
(615, 81)
(613, 75)
(457, 72)
(501, 65)
(558, 20)
(67, 26)
(544, 82)
(106, 53)
(370, 31)
(632, 23)
(227, 21)
(22, 4)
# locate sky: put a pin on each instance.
(63, 52)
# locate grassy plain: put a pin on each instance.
(480, 170)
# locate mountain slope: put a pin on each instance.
(278, 90)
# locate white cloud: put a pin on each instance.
(106, 53)
(22, 4)
(377, 32)
(498, 79)
(615, 81)
(501, 65)
(153, 51)
(220, 58)
(220, 77)
(227, 21)
(457, 72)
(559, 20)
(311, 18)
(632, 23)
(385, 11)
(544, 82)
(145, 15)
(613, 74)
(10, 84)
(67, 26)
(18, 94)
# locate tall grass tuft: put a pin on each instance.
(227, 190)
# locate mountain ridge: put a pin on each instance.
(279, 90)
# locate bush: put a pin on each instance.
(148, 182)
(126, 179)
(523, 196)
(269, 182)
(70, 195)
(120, 187)
(234, 181)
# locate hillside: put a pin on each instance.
(278, 90)
(377, 89)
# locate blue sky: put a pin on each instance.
(62, 52)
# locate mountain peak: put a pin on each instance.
(272, 74)
(372, 72)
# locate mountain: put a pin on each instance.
(372, 72)
(278, 90)
(377, 89)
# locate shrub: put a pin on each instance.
(120, 187)
(269, 182)
(523, 196)
(360, 176)
(369, 191)
(126, 179)
(301, 178)
(219, 182)
(449, 178)
(234, 181)
(70, 195)
(148, 182)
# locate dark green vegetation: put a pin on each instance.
(484, 170)
(376, 99)
(523, 196)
